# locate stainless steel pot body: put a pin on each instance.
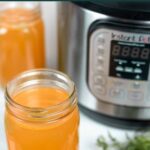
(77, 58)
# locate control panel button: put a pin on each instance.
(116, 93)
(129, 69)
(100, 50)
(99, 89)
(118, 75)
(99, 68)
(100, 39)
(100, 60)
(99, 71)
(119, 68)
(135, 95)
(137, 77)
(99, 80)
(137, 70)
(136, 85)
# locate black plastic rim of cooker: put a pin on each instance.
(119, 123)
(130, 9)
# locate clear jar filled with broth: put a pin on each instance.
(41, 112)
(21, 39)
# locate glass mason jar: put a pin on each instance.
(21, 39)
(41, 112)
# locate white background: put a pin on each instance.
(89, 129)
(49, 14)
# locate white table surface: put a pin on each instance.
(89, 131)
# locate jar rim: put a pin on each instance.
(71, 99)
(8, 15)
(14, 4)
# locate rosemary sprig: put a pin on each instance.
(138, 142)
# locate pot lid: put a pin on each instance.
(133, 5)
(130, 9)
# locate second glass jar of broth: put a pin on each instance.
(41, 112)
(21, 39)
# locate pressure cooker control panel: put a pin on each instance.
(118, 68)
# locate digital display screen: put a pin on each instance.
(129, 60)
(130, 52)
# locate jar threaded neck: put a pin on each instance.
(38, 77)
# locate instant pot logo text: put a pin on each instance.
(131, 38)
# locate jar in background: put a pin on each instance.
(21, 39)
(41, 112)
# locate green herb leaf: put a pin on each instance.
(138, 142)
(101, 142)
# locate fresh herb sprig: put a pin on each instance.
(138, 142)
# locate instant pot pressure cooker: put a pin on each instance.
(105, 48)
